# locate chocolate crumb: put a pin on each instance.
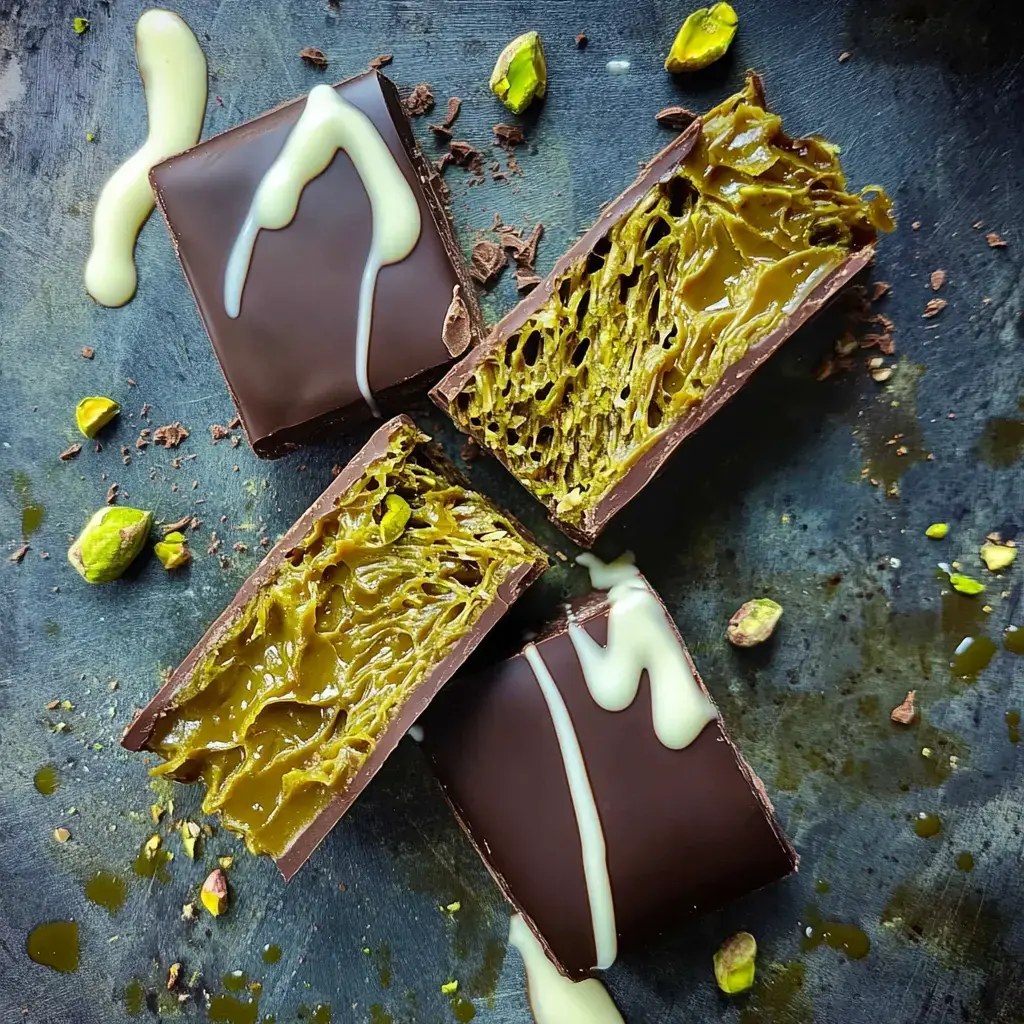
(18, 554)
(171, 435)
(214, 544)
(240, 547)
(526, 279)
(938, 279)
(314, 57)
(69, 453)
(676, 118)
(178, 525)
(144, 411)
(218, 433)
(456, 331)
(335, 470)
(471, 451)
(933, 307)
(443, 161)
(112, 493)
(487, 262)
(87, 352)
(528, 257)
(440, 131)
(420, 100)
(995, 241)
(906, 713)
(454, 106)
(844, 56)
(581, 42)
(381, 62)
(509, 134)
(881, 288)
(141, 442)
(463, 152)
(916, 226)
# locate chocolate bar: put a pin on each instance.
(731, 238)
(595, 778)
(318, 246)
(333, 647)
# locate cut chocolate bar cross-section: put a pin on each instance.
(333, 647)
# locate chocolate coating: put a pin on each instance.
(289, 358)
(137, 735)
(685, 830)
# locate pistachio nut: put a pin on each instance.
(735, 963)
(703, 38)
(395, 518)
(937, 531)
(521, 75)
(109, 543)
(214, 893)
(997, 556)
(173, 551)
(92, 414)
(754, 622)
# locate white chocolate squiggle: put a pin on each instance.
(588, 821)
(640, 639)
(554, 998)
(328, 123)
(173, 71)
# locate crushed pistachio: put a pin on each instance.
(90, 136)
(754, 622)
(225, 862)
(450, 987)
(156, 812)
(997, 556)
(937, 531)
(80, 25)
(92, 414)
(189, 834)
(735, 963)
(188, 912)
(62, 835)
(152, 845)
(173, 551)
(453, 908)
(109, 543)
(520, 75)
(214, 893)
(395, 518)
(173, 973)
(703, 38)
(965, 584)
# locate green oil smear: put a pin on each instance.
(779, 995)
(378, 1015)
(1013, 640)
(927, 826)
(32, 513)
(54, 944)
(1012, 718)
(153, 865)
(462, 1009)
(47, 780)
(271, 953)
(965, 861)
(226, 1009)
(106, 890)
(320, 1014)
(847, 938)
(1001, 444)
(972, 656)
(134, 997)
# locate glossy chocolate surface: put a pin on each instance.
(289, 358)
(686, 830)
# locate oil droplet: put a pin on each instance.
(838, 935)
(1002, 442)
(1013, 640)
(378, 1015)
(384, 966)
(235, 981)
(462, 1009)
(54, 944)
(225, 1009)
(320, 1014)
(972, 656)
(271, 953)
(927, 826)
(778, 995)
(47, 780)
(32, 513)
(1013, 725)
(965, 861)
(822, 886)
(153, 864)
(134, 997)
(106, 890)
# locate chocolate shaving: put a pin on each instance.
(487, 262)
(938, 279)
(112, 493)
(906, 713)
(314, 57)
(88, 353)
(581, 42)
(509, 134)
(528, 257)
(18, 554)
(443, 161)
(441, 131)
(933, 307)
(170, 436)
(234, 424)
(454, 106)
(218, 433)
(676, 118)
(995, 241)
(381, 62)
(69, 453)
(420, 100)
(881, 288)
(844, 56)
(456, 331)
(526, 279)
(463, 152)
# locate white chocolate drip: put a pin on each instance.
(555, 999)
(640, 638)
(588, 821)
(173, 71)
(329, 123)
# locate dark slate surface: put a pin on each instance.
(768, 499)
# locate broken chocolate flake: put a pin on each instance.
(463, 152)
(581, 42)
(314, 57)
(933, 307)
(881, 288)
(454, 106)
(509, 134)
(676, 118)
(18, 554)
(456, 331)
(487, 262)
(218, 433)
(87, 352)
(526, 278)
(112, 493)
(995, 241)
(382, 61)
(443, 161)
(171, 435)
(178, 525)
(440, 131)
(938, 279)
(906, 713)
(844, 56)
(69, 453)
(420, 100)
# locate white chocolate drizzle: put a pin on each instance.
(588, 821)
(328, 123)
(555, 999)
(173, 71)
(640, 639)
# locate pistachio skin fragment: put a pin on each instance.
(703, 38)
(521, 74)
(735, 963)
(937, 531)
(214, 894)
(109, 543)
(173, 551)
(92, 414)
(396, 517)
(997, 556)
(80, 25)
(754, 622)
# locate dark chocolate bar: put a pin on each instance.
(292, 355)
(333, 647)
(669, 821)
(731, 238)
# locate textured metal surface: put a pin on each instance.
(767, 499)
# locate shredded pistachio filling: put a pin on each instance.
(706, 265)
(291, 703)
